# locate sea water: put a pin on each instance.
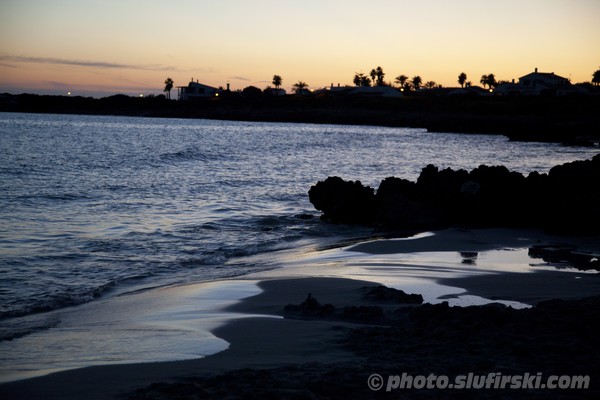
(91, 205)
(96, 207)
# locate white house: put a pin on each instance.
(195, 90)
(537, 83)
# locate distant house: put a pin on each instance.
(375, 91)
(195, 90)
(537, 83)
(274, 92)
(362, 91)
(468, 91)
(337, 90)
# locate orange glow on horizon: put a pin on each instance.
(130, 47)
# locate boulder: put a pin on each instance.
(343, 202)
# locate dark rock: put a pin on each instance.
(309, 308)
(567, 200)
(390, 295)
(465, 319)
(397, 205)
(304, 216)
(469, 257)
(343, 202)
(574, 197)
(362, 313)
(566, 255)
(392, 186)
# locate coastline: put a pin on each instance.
(570, 120)
(266, 342)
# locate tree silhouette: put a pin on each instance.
(492, 81)
(430, 84)
(596, 77)
(401, 80)
(379, 74)
(488, 80)
(299, 87)
(462, 78)
(416, 82)
(168, 86)
(361, 79)
(277, 81)
(373, 75)
(484, 80)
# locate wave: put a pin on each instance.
(111, 265)
(53, 197)
(193, 154)
(71, 297)
(26, 326)
(51, 302)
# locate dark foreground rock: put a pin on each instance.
(384, 294)
(376, 296)
(566, 256)
(344, 201)
(556, 337)
(309, 308)
(566, 200)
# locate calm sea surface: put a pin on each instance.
(96, 205)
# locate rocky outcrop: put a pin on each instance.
(309, 308)
(343, 201)
(383, 294)
(567, 199)
(379, 298)
(567, 256)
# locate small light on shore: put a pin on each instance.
(216, 94)
(491, 90)
(68, 93)
(141, 95)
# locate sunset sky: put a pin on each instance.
(103, 47)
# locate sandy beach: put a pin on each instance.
(338, 354)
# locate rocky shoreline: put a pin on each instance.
(571, 120)
(566, 200)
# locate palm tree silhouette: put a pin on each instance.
(168, 86)
(596, 77)
(373, 75)
(488, 80)
(430, 84)
(484, 80)
(299, 87)
(401, 80)
(462, 78)
(492, 81)
(361, 79)
(380, 74)
(277, 82)
(416, 82)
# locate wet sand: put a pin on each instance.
(297, 348)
